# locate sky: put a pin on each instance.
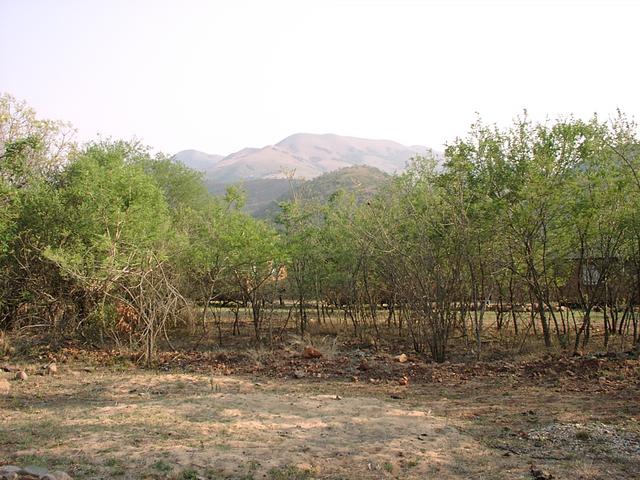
(219, 76)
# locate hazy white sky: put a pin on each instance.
(221, 75)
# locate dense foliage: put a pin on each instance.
(536, 226)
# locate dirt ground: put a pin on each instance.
(448, 422)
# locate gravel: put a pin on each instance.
(595, 438)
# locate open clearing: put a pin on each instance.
(123, 422)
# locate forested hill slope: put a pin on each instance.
(258, 193)
(362, 180)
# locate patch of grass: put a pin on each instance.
(249, 468)
(189, 474)
(36, 460)
(388, 467)
(162, 466)
(246, 476)
(116, 466)
(289, 472)
(88, 470)
(583, 435)
(412, 463)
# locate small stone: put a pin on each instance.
(299, 374)
(402, 358)
(21, 375)
(403, 381)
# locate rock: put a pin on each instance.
(34, 471)
(7, 469)
(403, 381)
(402, 358)
(57, 475)
(310, 352)
(4, 386)
(299, 374)
(21, 375)
(51, 369)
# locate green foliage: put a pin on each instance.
(181, 186)
(8, 214)
(513, 216)
(113, 214)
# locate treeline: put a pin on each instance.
(535, 228)
(109, 244)
(532, 229)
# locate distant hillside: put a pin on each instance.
(362, 180)
(308, 155)
(259, 193)
(200, 161)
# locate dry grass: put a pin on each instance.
(234, 411)
(128, 423)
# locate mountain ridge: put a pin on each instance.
(303, 156)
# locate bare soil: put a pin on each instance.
(213, 416)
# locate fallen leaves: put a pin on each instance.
(600, 373)
(311, 353)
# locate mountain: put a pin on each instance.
(267, 174)
(303, 155)
(362, 180)
(197, 160)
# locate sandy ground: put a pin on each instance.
(139, 424)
